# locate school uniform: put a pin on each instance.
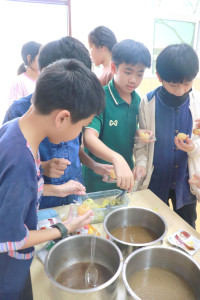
(68, 150)
(116, 127)
(168, 168)
(21, 186)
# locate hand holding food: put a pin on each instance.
(144, 136)
(183, 142)
(82, 209)
(195, 180)
(196, 131)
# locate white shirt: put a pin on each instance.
(21, 86)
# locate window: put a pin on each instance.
(21, 22)
(167, 32)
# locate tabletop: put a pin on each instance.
(145, 199)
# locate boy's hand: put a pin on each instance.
(55, 167)
(123, 173)
(72, 224)
(144, 136)
(139, 172)
(197, 123)
(102, 169)
(195, 181)
(70, 187)
(186, 146)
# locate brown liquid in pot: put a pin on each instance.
(158, 283)
(74, 276)
(134, 234)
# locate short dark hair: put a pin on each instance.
(66, 47)
(102, 36)
(68, 84)
(131, 52)
(177, 63)
(30, 48)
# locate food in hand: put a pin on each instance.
(181, 136)
(196, 131)
(144, 136)
(112, 174)
(82, 209)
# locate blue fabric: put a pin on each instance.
(13, 276)
(170, 163)
(68, 150)
(18, 200)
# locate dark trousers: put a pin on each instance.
(187, 212)
(15, 280)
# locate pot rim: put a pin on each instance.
(127, 286)
(135, 244)
(81, 291)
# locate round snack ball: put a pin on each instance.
(112, 174)
(82, 209)
(144, 136)
(196, 131)
(181, 136)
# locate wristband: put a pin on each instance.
(63, 230)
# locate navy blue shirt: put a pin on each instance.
(170, 163)
(20, 177)
(68, 150)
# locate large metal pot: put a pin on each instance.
(168, 258)
(138, 217)
(76, 249)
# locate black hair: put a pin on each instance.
(66, 47)
(177, 63)
(68, 84)
(102, 36)
(131, 52)
(30, 48)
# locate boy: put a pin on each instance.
(60, 162)
(167, 111)
(110, 136)
(67, 97)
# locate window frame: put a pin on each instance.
(55, 2)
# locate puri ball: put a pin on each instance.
(181, 136)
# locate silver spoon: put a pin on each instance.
(91, 274)
(120, 196)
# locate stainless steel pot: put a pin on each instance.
(165, 257)
(76, 249)
(134, 216)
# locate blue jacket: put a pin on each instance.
(68, 150)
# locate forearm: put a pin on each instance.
(86, 159)
(99, 149)
(52, 190)
(37, 237)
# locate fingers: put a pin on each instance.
(197, 123)
(61, 163)
(125, 183)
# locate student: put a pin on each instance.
(60, 162)
(67, 97)
(110, 136)
(101, 41)
(28, 72)
(168, 110)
